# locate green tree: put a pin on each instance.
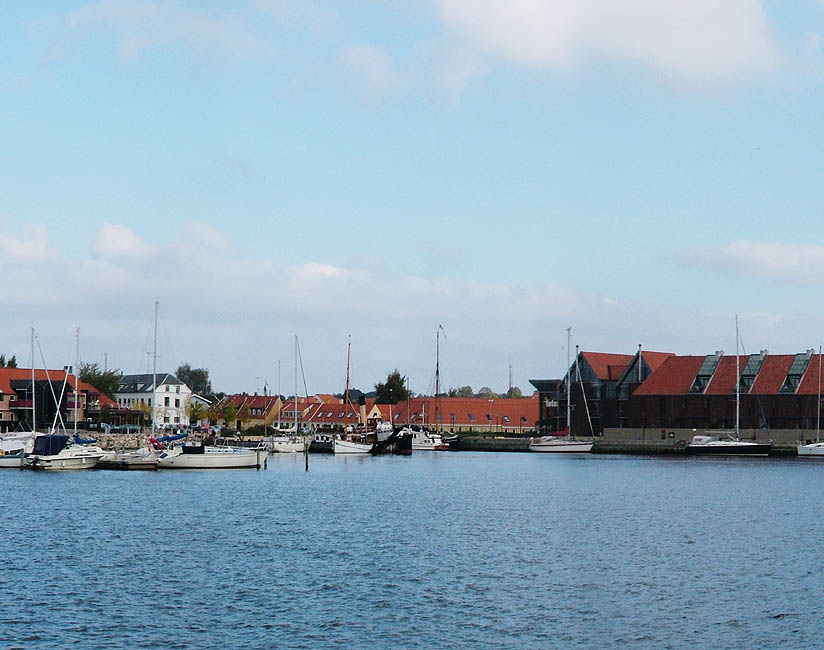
(195, 378)
(106, 382)
(145, 412)
(229, 415)
(514, 392)
(393, 390)
(244, 415)
(196, 411)
(487, 392)
(12, 362)
(463, 391)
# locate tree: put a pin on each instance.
(106, 382)
(514, 392)
(393, 390)
(196, 412)
(12, 362)
(244, 415)
(464, 391)
(145, 411)
(195, 378)
(229, 415)
(487, 392)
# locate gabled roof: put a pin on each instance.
(673, 377)
(264, 402)
(607, 366)
(772, 374)
(724, 378)
(143, 383)
(809, 384)
(655, 359)
(23, 375)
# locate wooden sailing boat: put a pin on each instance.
(351, 441)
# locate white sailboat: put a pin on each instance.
(815, 448)
(144, 458)
(712, 444)
(210, 457)
(564, 443)
(56, 451)
(288, 440)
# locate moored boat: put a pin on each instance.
(202, 456)
(56, 452)
(559, 444)
(704, 445)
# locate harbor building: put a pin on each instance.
(51, 387)
(775, 392)
(600, 385)
(497, 415)
(171, 396)
(251, 410)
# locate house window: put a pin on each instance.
(177, 389)
(166, 402)
(167, 388)
(177, 403)
(471, 417)
(166, 419)
(177, 420)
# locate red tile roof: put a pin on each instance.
(723, 380)
(607, 366)
(809, 383)
(7, 375)
(655, 359)
(673, 377)
(461, 407)
(772, 374)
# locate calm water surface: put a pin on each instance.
(459, 550)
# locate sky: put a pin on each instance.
(637, 170)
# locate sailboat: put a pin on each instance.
(564, 441)
(288, 440)
(146, 457)
(732, 445)
(58, 451)
(351, 441)
(424, 439)
(816, 448)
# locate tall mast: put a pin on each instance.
(437, 372)
(818, 416)
(154, 369)
(296, 384)
(569, 385)
(279, 393)
(348, 358)
(76, 363)
(33, 410)
(737, 383)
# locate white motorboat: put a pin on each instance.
(134, 459)
(286, 444)
(208, 457)
(559, 444)
(13, 447)
(55, 452)
(423, 440)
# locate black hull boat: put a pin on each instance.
(322, 443)
(399, 442)
(712, 446)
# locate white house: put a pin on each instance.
(170, 395)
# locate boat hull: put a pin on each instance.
(729, 449)
(64, 462)
(213, 458)
(815, 449)
(560, 446)
(351, 447)
(129, 461)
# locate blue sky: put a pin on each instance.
(636, 169)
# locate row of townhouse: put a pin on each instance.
(665, 390)
(51, 394)
(328, 414)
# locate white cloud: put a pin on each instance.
(795, 263)
(373, 68)
(701, 42)
(115, 242)
(30, 246)
(142, 25)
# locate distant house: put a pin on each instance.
(170, 395)
(466, 414)
(263, 409)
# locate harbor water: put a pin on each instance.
(458, 550)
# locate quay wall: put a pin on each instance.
(670, 440)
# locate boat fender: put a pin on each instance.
(2, 452)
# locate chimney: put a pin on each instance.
(362, 414)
